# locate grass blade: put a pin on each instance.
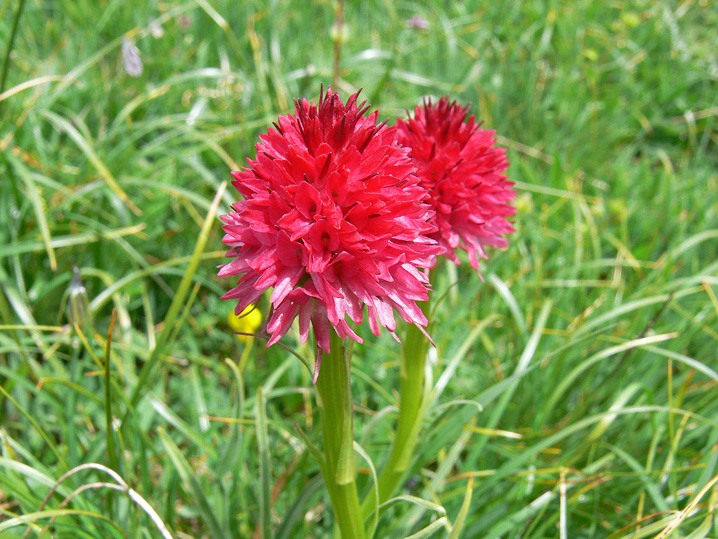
(13, 33)
(510, 300)
(297, 512)
(173, 419)
(375, 486)
(233, 440)
(429, 530)
(265, 469)
(193, 484)
(527, 355)
(39, 207)
(177, 303)
(82, 238)
(463, 512)
(687, 510)
(61, 123)
(109, 424)
(35, 425)
(569, 379)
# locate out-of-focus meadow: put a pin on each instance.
(578, 381)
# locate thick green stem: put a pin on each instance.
(335, 409)
(411, 410)
(411, 396)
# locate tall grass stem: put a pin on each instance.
(338, 37)
(13, 33)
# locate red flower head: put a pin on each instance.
(334, 219)
(463, 170)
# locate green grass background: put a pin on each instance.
(591, 346)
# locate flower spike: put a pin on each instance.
(463, 170)
(334, 220)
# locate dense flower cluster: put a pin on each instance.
(333, 218)
(463, 170)
(340, 214)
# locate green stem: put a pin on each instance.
(411, 397)
(335, 410)
(411, 411)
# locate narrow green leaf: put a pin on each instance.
(277, 373)
(163, 267)
(298, 511)
(109, 424)
(193, 484)
(454, 362)
(618, 404)
(690, 362)
(515, 463)
(452, 458)
(265, 469)
(710, 469)
(430, 530)
(703, 530)
(568, 380)
(497, 411)
(510, 300)
(231, 450)
(185, 313)
(374, 420)
(32, 473)
(615, 313)
(86, 393)
(313, 449)
(11, 43)
(518, 519)
(36, 426)
(421, 502)
(175, 306)
(375, 486)
(464, 511)
(693, 241)
(29, 246)
(38, 205)
(36, 516)
(173, 419)
(652, 488)
(86, 148)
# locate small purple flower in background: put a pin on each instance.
(417, 21)
(185, 21)
(131, 58)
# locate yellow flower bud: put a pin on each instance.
(247, 322)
